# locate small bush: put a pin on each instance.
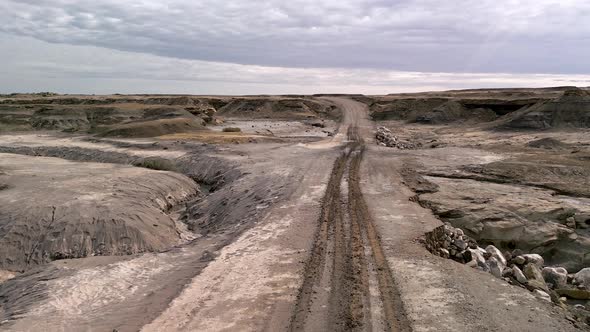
(232, 130)
(155, 163)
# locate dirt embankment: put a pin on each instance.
(56, 209)
(565, 108)
(83, 209)
(280, 108)
(149, 116)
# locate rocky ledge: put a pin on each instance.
(549, 283)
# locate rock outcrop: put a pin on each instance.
(572, 109)
(548, 283)
(510, 216)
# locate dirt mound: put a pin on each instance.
(291, 108)
(99, 114)
(131, 120)
(153, 128)
(73, 209)
(571, 110)
(547, 143)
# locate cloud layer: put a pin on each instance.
(33, 65)
(463, 36)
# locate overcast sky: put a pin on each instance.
(296, 46)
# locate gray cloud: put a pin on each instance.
(514, 36)
(33, 65)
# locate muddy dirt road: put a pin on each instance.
(347, 284)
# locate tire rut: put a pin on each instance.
(347, 247)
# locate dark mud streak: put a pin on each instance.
(341, 269)
(394, 312)
(313, 268)
(393, 308)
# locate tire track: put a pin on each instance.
(346, 244)
(313, 269)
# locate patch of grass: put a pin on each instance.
(231, 130)
(155, 163)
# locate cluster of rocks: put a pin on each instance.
(553, 284)
(205, 112)
(386, 138)
(449, 242)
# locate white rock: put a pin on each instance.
(519, 260)
(460, 244)
(477, 256)
(556, 276)
(518, 275)
(496, 267)
(492, 250)
(542, 295)
(583, 277)
(535, 259)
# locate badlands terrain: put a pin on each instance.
(439, 211)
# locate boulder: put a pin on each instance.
(520, 260)
(583, 277)
(496, 267)
(460, 243)
(518, 275)
(535, 259)
(542, 295)
(477, 256)
(533, 284)
(535, 277)
(483, 267)
(532, 271)
(508, 256)
(494, 252)
(557, 276)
